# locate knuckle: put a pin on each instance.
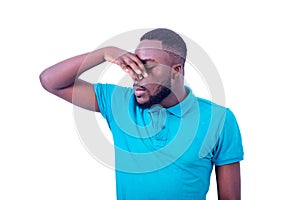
(123, 66)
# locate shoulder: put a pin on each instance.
(220, 116)
(211, 108)
(111, 96)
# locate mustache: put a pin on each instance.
(139, 86)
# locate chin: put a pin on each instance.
(142, 100)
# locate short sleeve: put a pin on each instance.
(229, 148)
(104, 94)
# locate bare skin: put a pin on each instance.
(150, 67)
(229, 181)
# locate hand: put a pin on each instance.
(129, 62)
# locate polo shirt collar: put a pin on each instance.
(184, 106)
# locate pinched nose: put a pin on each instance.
(138, 78)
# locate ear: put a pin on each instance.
(176, 70)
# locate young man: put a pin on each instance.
(166, 139)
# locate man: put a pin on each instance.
(166, 139)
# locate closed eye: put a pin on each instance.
(150, 68)
(145, 61)
(149, 64)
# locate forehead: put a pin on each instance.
(152, 50)
(153, 44)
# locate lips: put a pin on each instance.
(139, 91)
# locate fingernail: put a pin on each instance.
(138, 71)
(145, 74)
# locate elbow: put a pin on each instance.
(45, 82)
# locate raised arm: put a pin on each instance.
(62, 80)
(229, 181)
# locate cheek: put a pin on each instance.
(154, 87)
(151, 87)
(158, 77)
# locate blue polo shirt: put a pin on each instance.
(167, 153)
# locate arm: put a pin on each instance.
(62, 80)
(229, 181)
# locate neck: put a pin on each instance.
(175, 97)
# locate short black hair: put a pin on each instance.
(171, 42)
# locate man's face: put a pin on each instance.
(157, 86)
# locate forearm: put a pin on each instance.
(65, 73)
(60, 78)
(229, 181)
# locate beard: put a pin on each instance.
(163, 92)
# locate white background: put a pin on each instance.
(254, 45)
